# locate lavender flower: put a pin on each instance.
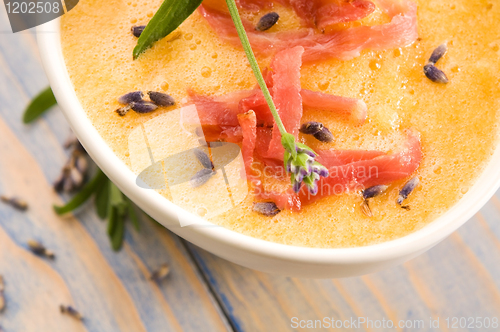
(301, 162)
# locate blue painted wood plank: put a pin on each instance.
(112, 290)
(458, 278)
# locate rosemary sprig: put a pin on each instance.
(39, 105)
(111, 204)
(168, 18)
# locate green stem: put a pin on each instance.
(233, 10)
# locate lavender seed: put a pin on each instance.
(311, 128)
(161, 99)
(68, 185)
(15, 202)
(374, 191)
(325, 135)
(143, 107)
(2, 296)
(38, 249)
(131, 97)
(267, 21)
(435, 74)
(269, 209)
(161, 273)
(59, 183)
(365, 208)
(124, 110)
(438, 53)
(76, 177)
(204, 159)
(201, 177)
(137, 30)
(69, 310)
(407, 190)
(81, 164)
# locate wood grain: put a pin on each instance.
(112, 290)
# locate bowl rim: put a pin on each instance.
(49, 42)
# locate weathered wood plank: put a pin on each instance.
(458, 278)
(113, 291)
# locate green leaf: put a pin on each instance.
(41, 103)
(168, 18)
(132, 215)
(119, 234)
(102, 200)
(116, 228)
(116, 199)
(112, 221)
(84, 194)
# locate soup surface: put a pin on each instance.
(457, 122)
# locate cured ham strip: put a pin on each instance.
(343, 12)
(248, 124)
(355, 108)
(355, 170)
(223, 110)
(314, 13)
(344, 44)
(286, 95)
(322, 13)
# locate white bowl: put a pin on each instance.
(240, 249)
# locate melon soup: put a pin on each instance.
(455, 125)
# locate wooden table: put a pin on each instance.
(458, 278)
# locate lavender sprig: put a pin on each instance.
(300, 160)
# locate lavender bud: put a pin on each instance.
(76, 177)
(435, 74)
(59, 183)
(161, 273)
(374, 191)
(143, 107)
(407, 189)
(161, 99)
(267, 21)
(131, 97)
(137, 30)
(296, 186)
(311, 128)
(269, 209)
(81, 164)
(203, 158)
(16, 202)
(201, 177)
(68, 185)
(69, 310)
(438, 53)
(39, 249)
(324, 135)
